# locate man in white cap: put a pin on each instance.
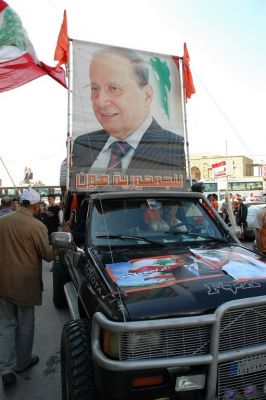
(23, 244)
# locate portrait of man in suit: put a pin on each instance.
(131, 140)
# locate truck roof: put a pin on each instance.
(144, 193)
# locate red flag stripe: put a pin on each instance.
(21, 70)
(3, 5)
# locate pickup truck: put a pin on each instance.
(165, 301)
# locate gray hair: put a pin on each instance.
(6, 201)
(140, 68)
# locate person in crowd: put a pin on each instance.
(131, 139)
(223, 208)
(249, 198)
(23, 245)
(15, 204)
(241, 214)
(237, 196)
(53, 220)
(215, 203)
(260, 231)
(235, 207)
(6, 203)
(42, 214)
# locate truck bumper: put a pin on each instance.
(234, 355)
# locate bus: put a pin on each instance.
(246, 187)
(13, 191)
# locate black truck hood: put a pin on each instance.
(189, 283)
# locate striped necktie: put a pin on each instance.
(118, 151)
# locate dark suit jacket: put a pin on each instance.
(158, 150)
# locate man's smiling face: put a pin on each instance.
(119, 103)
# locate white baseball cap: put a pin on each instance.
(30, 195)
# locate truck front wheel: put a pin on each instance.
(76, 364)
(60, 277)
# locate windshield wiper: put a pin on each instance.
(199, 235)
(128, 237)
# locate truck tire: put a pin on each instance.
(60, 277)
(77, 375)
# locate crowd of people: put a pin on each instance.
(239, 210)
(50, 214)
(26, 224)
(234, 207)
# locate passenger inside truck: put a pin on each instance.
(77, 225)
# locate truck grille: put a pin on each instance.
(230, 375)
(244, 327)
(241, 328)
(143, 345)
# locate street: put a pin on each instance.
(42, 382)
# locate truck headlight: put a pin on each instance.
(189, 382)
(140, 340)
(111, 344)
(131, 345)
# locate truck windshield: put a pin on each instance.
(164, 219)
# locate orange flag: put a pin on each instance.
(61, 51)
(188, 80)
(74, 202)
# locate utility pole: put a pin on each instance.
(228, 201)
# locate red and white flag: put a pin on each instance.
(18, 60)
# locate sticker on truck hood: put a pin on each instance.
(161, 271)
(144, 273)
(235, 264)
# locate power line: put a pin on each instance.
(225, 117)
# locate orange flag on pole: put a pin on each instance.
(188, 80)
(61, 51)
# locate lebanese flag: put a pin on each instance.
(18, 61)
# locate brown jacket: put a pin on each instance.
(23, 244)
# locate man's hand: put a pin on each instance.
(66, 227)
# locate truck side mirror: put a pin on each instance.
(62, 240)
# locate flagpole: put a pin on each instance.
(184, 111)
(9, 175)
(69, 111)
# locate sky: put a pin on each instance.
(226, 43)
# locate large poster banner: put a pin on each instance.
(127, 121)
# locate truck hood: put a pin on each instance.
(193, 282)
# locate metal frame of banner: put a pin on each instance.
(184, 114)
(69, 110)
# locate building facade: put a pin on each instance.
(242, 166)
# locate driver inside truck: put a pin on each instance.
(170, 216)
(164, 218)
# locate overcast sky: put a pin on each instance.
(226, 42)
